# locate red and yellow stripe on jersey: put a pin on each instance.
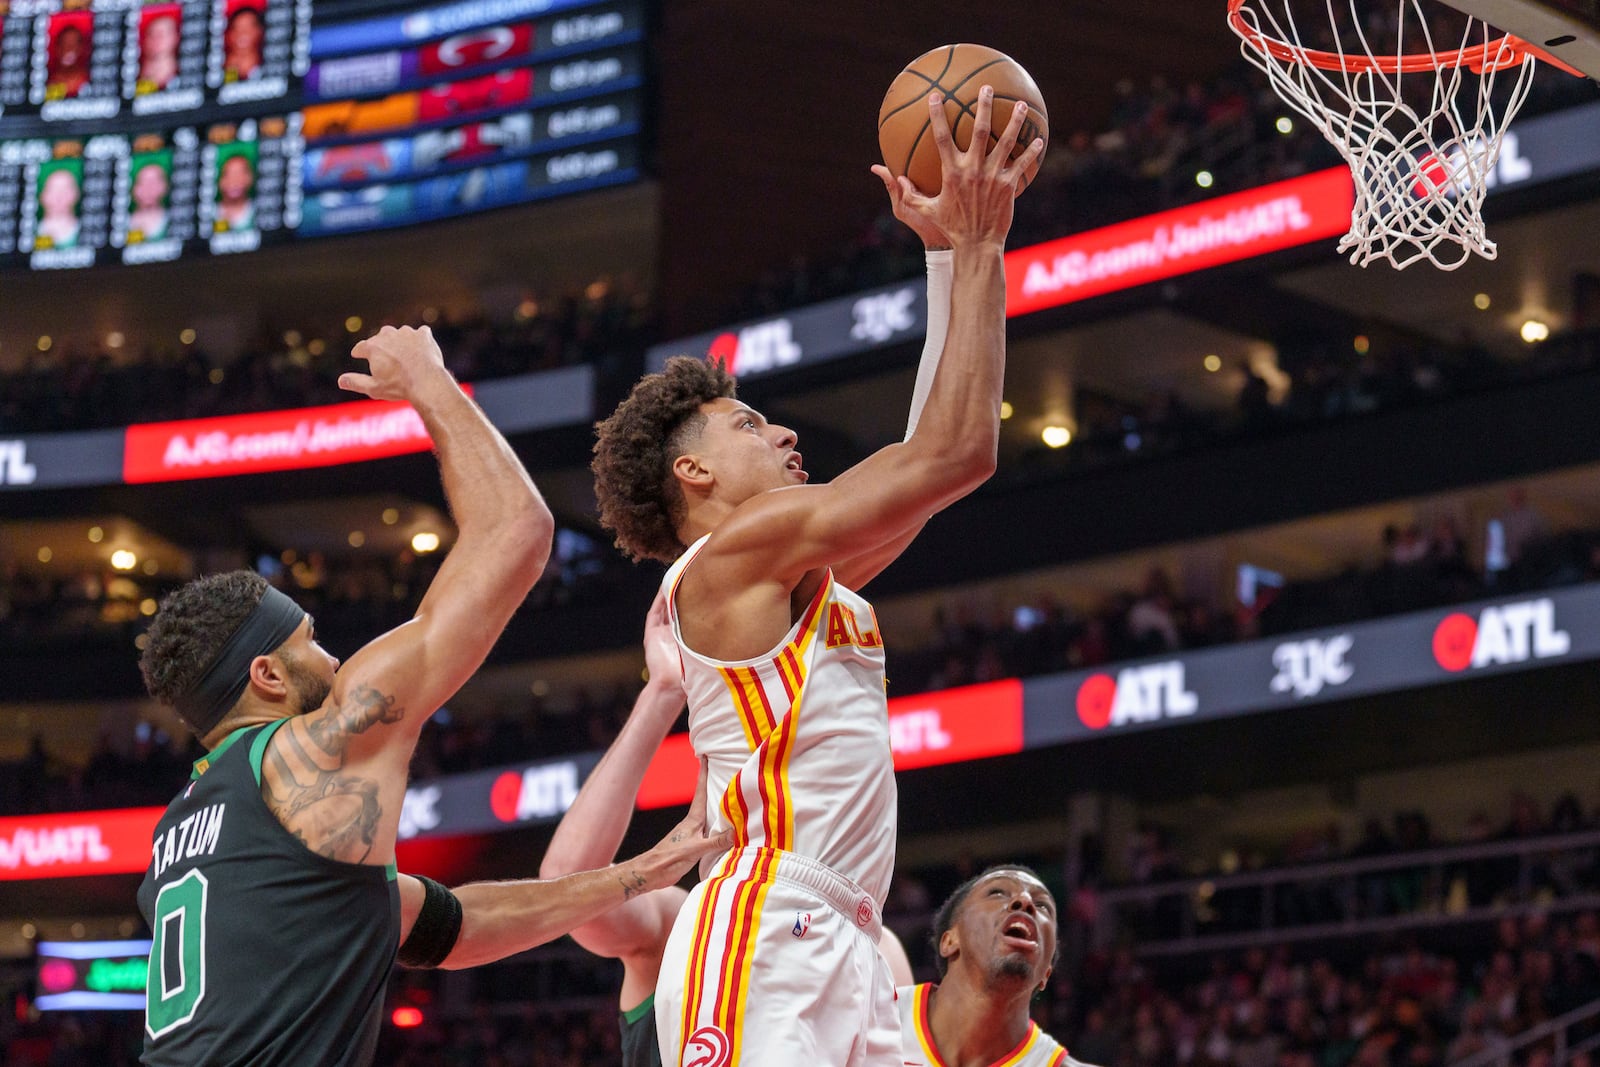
(723, 948)
(1036, 1049)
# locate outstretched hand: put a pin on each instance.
(976, 201)
(398, 362)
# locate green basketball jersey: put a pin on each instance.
(264, 952)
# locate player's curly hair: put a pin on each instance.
(950, 910)
(640, 501)
(191, 628)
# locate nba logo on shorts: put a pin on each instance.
(706, 1047)
(802, 923)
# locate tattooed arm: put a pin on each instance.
(335, 776)
(499, 919)
(335, 811)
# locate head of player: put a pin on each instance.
(241, 42)
(69, 61)
(149, 195)
(229, 650)
(235, 188)
(680, 454)
(158, 51)
(58, 207)
(996, 935)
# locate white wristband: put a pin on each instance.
(941, 272)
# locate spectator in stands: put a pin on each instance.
(1524, 526)
(1151, 626)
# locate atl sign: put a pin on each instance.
(1503, 634)
(1137, 694)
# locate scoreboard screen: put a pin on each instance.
(137, 132)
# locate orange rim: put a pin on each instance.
(1507, 51)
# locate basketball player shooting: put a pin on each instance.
(773, 958)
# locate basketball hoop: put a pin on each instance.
(1421, 129)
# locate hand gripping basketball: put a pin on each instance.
(976, 201)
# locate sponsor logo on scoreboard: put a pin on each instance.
(475, 48)
(541, 792)
(1500, 635)
(1142, 694)
(764, 346)
(1307, 667)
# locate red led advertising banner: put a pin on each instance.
(79, 843)
(1209, 234)
(272, 441)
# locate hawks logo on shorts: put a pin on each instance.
(706, 1047)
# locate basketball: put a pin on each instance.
(958, 71)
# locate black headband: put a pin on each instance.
(263, 630)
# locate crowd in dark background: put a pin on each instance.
(607, 323)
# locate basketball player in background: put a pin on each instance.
(272, 894)
(67, 68)
(783, 665)
(158, 52)
(995, 940)
(241, 44)
(995, 937)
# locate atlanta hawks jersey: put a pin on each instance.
(1036, 1049)
(797, 741)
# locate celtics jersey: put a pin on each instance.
(639, 1045)
(264, 952)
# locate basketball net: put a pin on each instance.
(1421, 130)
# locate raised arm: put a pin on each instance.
(592, 829)
(336, 776)
(499, 919)
(784, 534)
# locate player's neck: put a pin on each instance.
(703, 516)
(974, 1027)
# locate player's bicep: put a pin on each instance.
(411, 897)
(856, 572)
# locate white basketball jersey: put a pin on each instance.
(797, 741)
(1037, 1048)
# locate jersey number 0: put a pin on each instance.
(177, 976)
